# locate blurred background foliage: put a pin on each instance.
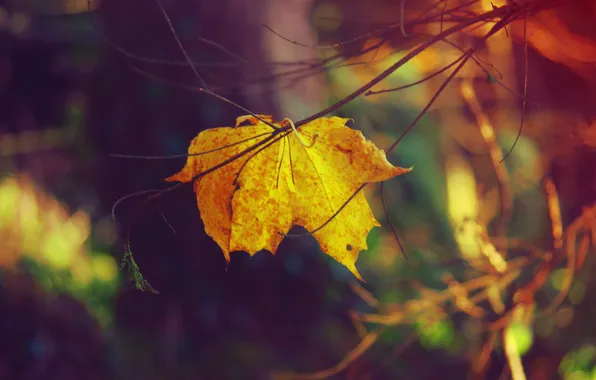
(496, 265)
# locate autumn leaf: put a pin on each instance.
(311, 177)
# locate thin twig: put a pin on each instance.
(524, 103)
(495, 13)
(431, 101)
(186, 56)
(388, 216)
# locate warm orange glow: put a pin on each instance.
(486, 128)
(365, 67)
(554, 210)
(548, 34)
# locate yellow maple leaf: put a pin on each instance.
(274, 178)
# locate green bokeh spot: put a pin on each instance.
(522, 335)
(439, 334)
(580, 360)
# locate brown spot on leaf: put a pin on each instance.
(347, 151)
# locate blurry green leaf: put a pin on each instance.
(490, 78)
(140, 283)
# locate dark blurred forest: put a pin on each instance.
(494, 281)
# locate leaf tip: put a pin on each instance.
(401, 170)
(181, 176)
(357, 275)
(352, 268)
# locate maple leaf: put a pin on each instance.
(311, 178)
